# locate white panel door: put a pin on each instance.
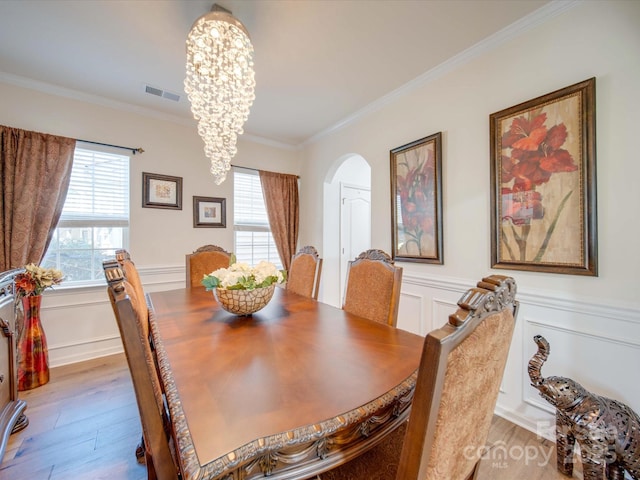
(355, 226)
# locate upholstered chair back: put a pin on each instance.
(203, 261)
(133, 278)
(303, 276)
(458, 383)
(133, 323)
(459, 377)
(373, 287)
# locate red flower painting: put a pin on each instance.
(532, 154)
(416, 203)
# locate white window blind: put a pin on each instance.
(252, 235)
(95, 218)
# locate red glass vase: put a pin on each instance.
(33, 356)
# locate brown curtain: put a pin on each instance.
(281, 199)
(35, 169)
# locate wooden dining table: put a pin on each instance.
(288, 392)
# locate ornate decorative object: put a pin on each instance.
(244, 302)
(33, 354)
(220, 84)
(492, 293)
(309, 250)
(376, 255)
(12, 417)
(211, 248)
(608, 431)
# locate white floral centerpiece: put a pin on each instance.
(242, 289)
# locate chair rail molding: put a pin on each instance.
(590, 340)
(79, 320)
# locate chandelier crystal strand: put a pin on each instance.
(220, 84)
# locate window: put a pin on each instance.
(252, 235)
(95, 218)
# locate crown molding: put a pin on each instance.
(58, 91)
(538, 17)
(268, 142)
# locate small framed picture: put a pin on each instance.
(209, 212)
(161, 191)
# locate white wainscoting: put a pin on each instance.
(596, 344)
(79, 322)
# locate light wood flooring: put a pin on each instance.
(84, 424)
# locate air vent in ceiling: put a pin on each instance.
(158, 92)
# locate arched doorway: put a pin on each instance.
(346, 221)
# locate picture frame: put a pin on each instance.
(161, 191)
(209, 212)
(416, 201)
(543, 183)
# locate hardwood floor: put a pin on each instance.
(84, 424)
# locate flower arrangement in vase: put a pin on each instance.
(35, 280)
(242, 289)
(33, 360)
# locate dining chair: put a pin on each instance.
(205, 260)
(303, 277)
(373, 287)
(123, 257)
(456, 391)
(133, 323)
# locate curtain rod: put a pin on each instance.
(133, 150)
(257, 169)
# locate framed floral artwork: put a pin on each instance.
(416, 201)
(161, 191)
(543, 174)
(209, 212)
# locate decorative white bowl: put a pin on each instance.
(244, 302)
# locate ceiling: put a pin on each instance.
(317, 63)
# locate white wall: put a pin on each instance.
(79, 323)
(592, 323)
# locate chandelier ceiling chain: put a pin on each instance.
(220, 84)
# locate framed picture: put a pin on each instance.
(416, 201)
(209, 212)
(543, 183)
(161, 191)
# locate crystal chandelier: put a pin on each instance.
(220, 84)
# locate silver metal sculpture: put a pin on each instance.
(607, 431)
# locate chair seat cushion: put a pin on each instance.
(379, 463)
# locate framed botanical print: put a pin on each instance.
(161, 191)
(209, 212)
(416, 201)
(543, 175)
